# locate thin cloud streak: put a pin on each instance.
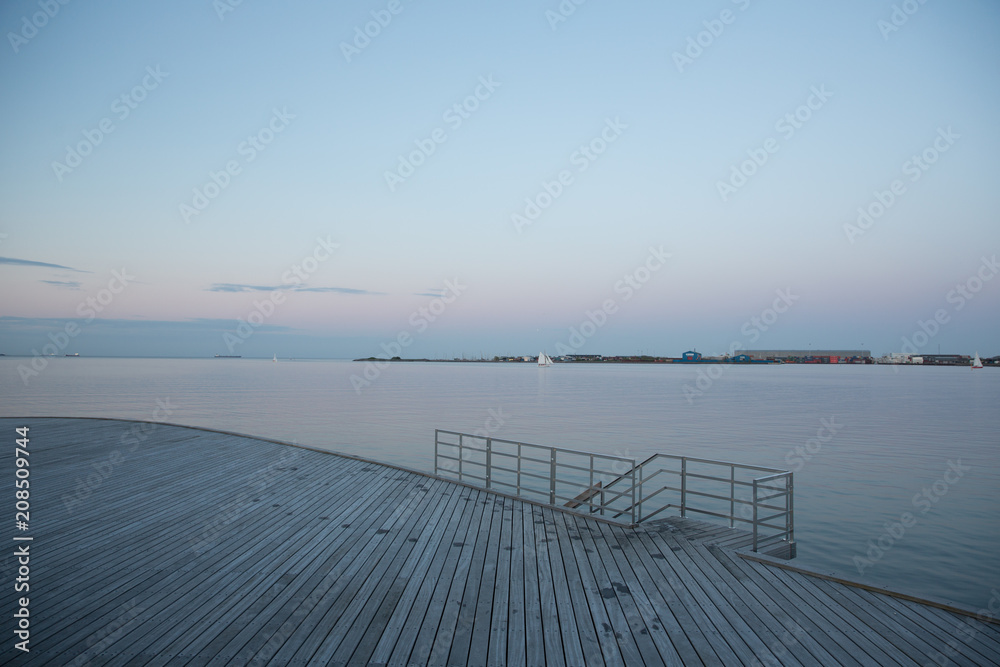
(237, 288)
(29, 262)
(64, 284)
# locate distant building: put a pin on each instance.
(813, 356)
(947, 360)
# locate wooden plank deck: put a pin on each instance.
(180, 546)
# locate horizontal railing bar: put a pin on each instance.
(744, 466)
(781, 529)
(708, 495)
(668, 488)
(776, 495)
(767, 478)
(607, 457)
(771, 507)
(717, 514)
(712, 478)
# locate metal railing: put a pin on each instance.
(619, 489)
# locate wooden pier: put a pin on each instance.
(167, 545)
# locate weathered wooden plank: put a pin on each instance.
(489, 587)
(166, 639)
(435, 639)
(236, 553)
(560, 645)
(424, 614)
(629, 627)
(752, 632)
(640, 613)
(520, 619)
(963, 635)
(283, 615)
(385, 629)
(606, 634)
(802, 623)
(569, 591)
(370, 562)
(312, 544)
(676, 580)
(670, 616)
(804, 594)
(385, 588)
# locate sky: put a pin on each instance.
(452, 179)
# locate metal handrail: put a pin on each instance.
(636, 495)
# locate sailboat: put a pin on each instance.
(275, 360)
(544, 360)
(977, 362)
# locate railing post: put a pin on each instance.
(590, 489)
(518, 468)
(461, 456)
(435, 451)
(633, 495)
(489, 462)
(790, 507)
(732, 495)
(755, 516)
(684, 480)
(552, 477)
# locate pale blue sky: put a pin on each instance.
(323, 175)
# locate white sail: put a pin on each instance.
(544, 359)
(275, 359)
(977, 362)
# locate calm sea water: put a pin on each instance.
(899, 431)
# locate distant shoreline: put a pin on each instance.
(673, 360)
